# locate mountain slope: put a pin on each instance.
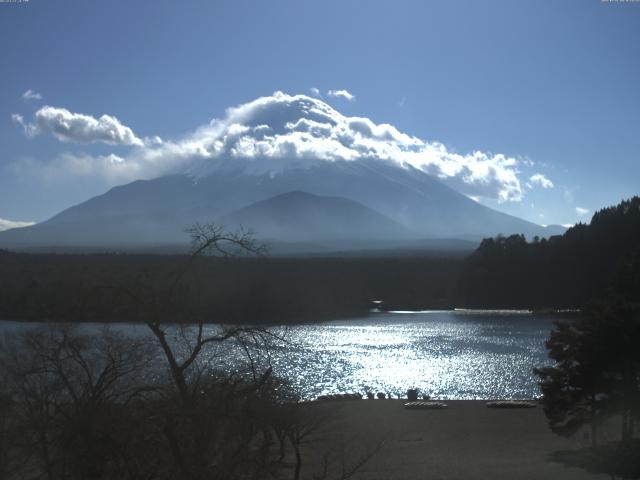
(156, 212)
(303, 217)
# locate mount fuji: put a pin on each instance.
(295, 171)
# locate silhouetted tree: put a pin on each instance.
(596, 372)
(572, 388)
(70, 395)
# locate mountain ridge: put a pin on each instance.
(156, 212)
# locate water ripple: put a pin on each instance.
(448, 355)
(445, 354)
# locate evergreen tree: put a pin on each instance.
(597, 369)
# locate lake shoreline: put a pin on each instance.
(466, 441)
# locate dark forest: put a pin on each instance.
(562, 272)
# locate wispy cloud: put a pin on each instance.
(315, 92)
(582, 211)
(31, 95)
(344, 94)
(540, 180)
(72, 127)
(7, 224)
(29, 129)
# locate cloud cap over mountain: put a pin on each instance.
(298, 130)
(270, 134)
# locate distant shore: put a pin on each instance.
(461, 311)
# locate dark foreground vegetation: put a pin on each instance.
(85, 406)
(82, 406)
(594, 381)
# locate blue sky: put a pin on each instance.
(554, 85)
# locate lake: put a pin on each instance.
(445, 354)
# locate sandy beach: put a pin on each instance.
(465, 441)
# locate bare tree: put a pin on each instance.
(68, 392)
(211, 429)
(83, 405)
(207, 239)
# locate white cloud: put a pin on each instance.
(72, 127)
(582, 211)
(31, 95)
(315, 92)
(7, 224)
(280, 131)
(540, 180)
(344, 94)
(29, 129)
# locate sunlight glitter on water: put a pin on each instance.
(445, 354)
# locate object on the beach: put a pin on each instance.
(511, 404)
(370, 395)
(380, 395)
(412, 394)
(425, 405)
(340, 396)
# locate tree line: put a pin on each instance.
(594, 380)
(504, 272)
(238, 290)
(564, 271)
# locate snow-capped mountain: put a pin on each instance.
(355, 180)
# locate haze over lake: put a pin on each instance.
(448, 355)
